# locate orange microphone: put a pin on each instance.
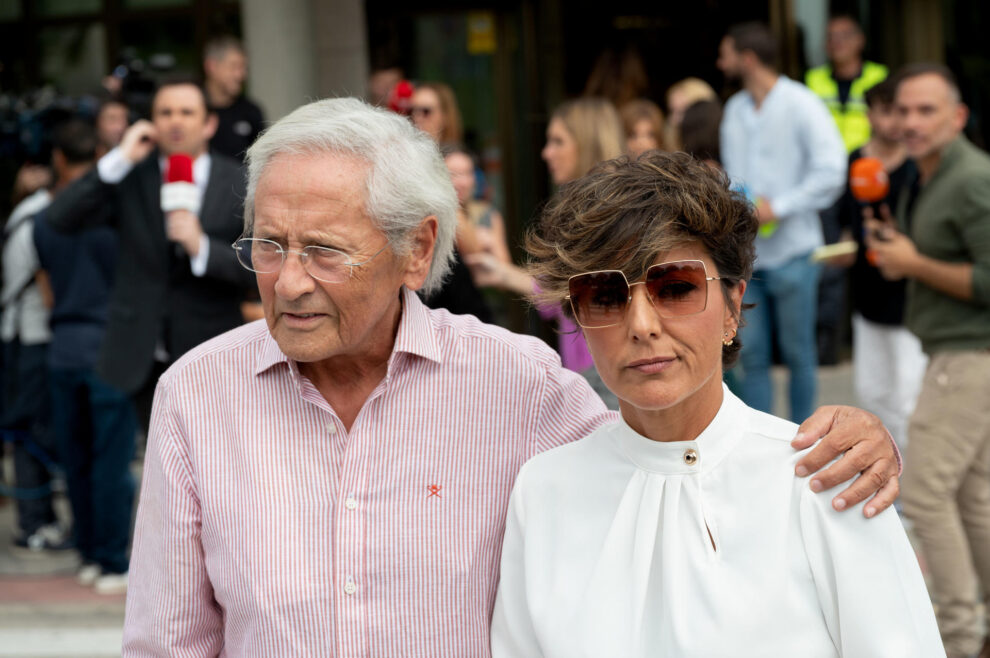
(869, 183)
(868, 180)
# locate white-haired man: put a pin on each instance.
(334, 481)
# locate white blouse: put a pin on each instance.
(617, 545)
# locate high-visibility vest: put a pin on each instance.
(850, 117)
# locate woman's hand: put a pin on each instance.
(866, 449)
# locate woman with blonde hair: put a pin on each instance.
(643, 122)
(680, 96)
(581, 133)
(433, 109)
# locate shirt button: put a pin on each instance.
(350, 504)
(350, 588)
(331, 429)
(690, 457)
(942, 379)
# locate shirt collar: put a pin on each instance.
(416, 336)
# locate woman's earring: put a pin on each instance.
(726, 340)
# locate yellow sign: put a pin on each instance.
(481, 33)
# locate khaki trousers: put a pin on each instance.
(946, 489)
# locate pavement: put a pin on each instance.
(44, 612)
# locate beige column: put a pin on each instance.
(341, 53)
(279, 38)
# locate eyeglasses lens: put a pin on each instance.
(678, 288)
(599, 299)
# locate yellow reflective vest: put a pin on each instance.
(851, 116)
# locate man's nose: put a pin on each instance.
(293, 279)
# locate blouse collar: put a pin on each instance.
(685, 457)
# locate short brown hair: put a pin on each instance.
(642, 109)
(625, 213)
(757, 38)
(917, 69)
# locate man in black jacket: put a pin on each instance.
(178, 281)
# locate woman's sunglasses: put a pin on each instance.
(678, 288)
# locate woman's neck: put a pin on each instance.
(682, 421)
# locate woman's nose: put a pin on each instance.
(642, 318)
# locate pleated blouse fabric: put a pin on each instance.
(617, 545)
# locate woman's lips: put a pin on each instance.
(653, 365)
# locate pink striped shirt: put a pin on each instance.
(265, 529)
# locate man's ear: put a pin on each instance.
(210, 127)
(422, 241)
(962, 116)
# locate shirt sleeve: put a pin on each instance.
(113, 167)
(171, 610)
(825, 176)
(569, 409)
(976, 235)
(869, 584)
(513, 634)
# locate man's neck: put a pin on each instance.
(217, 96)
(891, 153)
(759, 83)
(847, 70)
(347, 381)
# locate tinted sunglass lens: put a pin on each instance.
(599, 299)
(678, 288)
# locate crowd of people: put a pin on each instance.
(348, 475)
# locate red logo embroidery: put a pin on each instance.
(434, 490)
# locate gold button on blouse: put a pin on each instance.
(690, 457)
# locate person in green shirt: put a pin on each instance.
(943, 248)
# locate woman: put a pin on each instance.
(481, 216)
(581, 133)
(680, 96)
(643, 122)
(677, 531)
(433, 109)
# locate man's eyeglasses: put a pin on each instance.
(678, 288)
(421, 110)
(323, 263)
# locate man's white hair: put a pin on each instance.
(407, 178)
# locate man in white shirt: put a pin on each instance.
(780, 145)
(178, 281)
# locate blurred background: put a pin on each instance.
(509, 64)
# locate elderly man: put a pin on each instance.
(334, 481)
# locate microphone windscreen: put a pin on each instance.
(180, 169)
(868, 180)
(179, 191)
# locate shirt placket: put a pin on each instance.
(350, 532)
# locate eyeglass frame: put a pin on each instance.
(640, 283)
(304, 257)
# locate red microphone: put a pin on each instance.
(179, 191)
(400, 98)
